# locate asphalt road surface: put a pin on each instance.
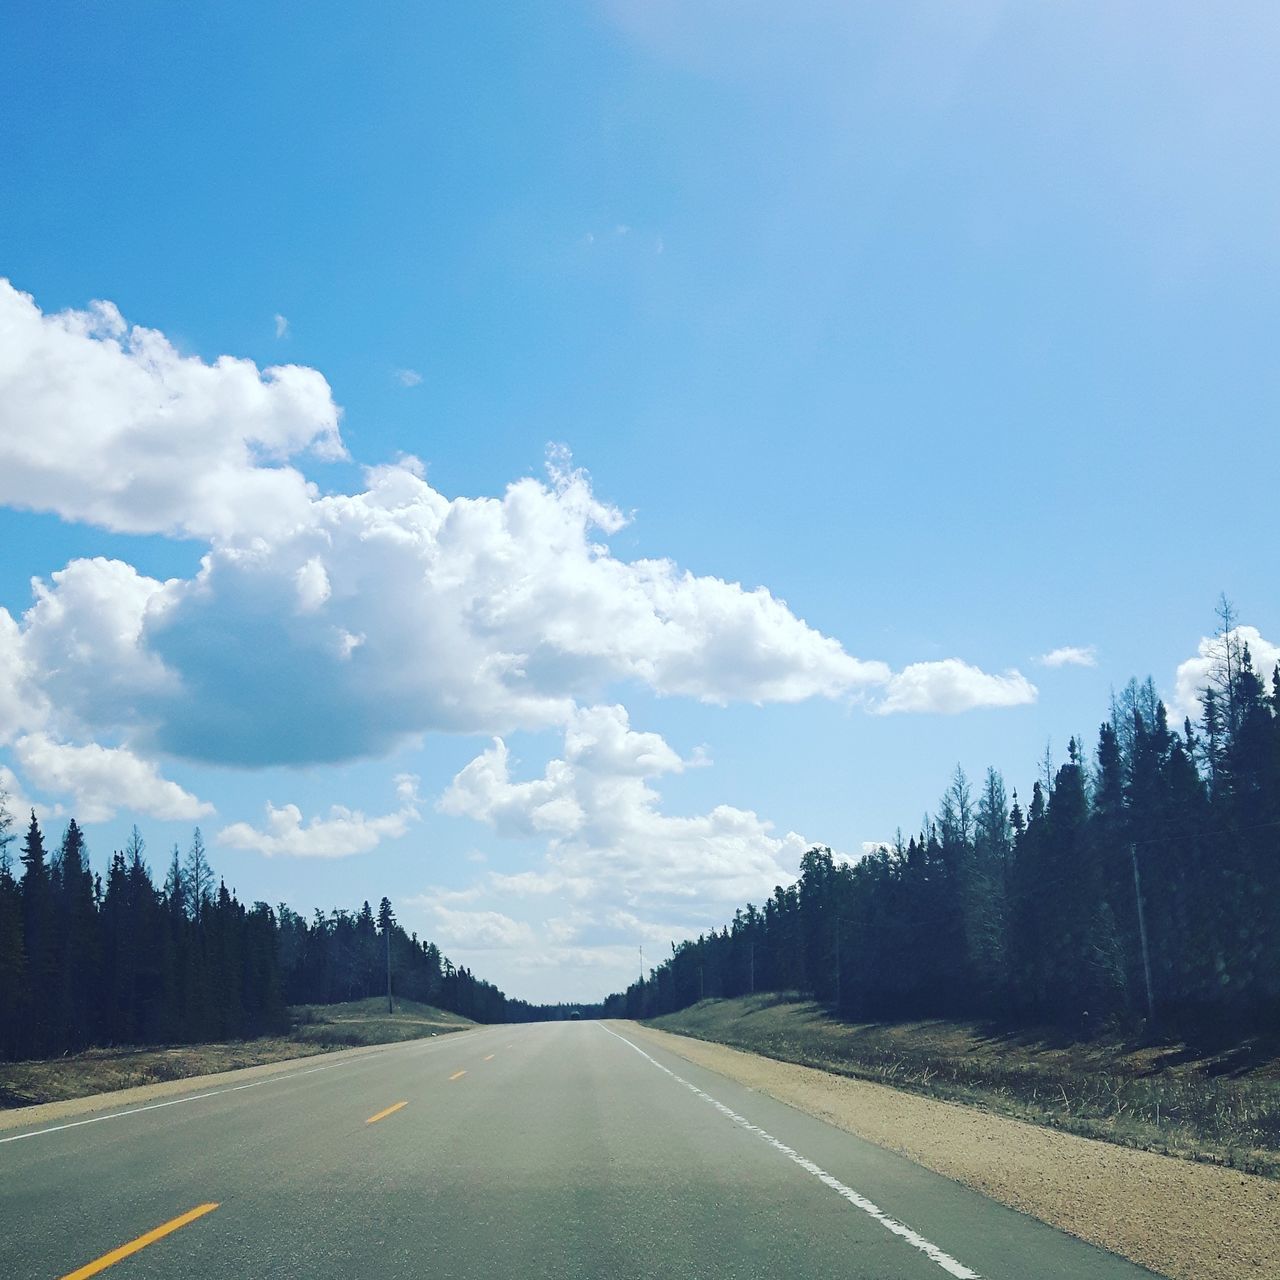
(548, 1150)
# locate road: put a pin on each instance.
(547, 1150)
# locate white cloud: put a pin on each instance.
(282, 325)
(476, 930)
(104, 780)
(19, 807)
(111, 424)
(312, 583)
(1070, 655)
(1195, 674)
(408, 377)
(951, 686)
(396, 611)
(84, 636)
(22, 705)
(607, 836)
(329, 628)
(343, 833)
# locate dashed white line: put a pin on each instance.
(913, 1238)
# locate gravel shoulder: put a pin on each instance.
(1184, 1220)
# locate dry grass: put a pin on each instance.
(1220, 1105)
(315, 1029)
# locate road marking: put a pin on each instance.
(490, 1058)
(150, 1237)
(176, 1102)
(917, 1241)
(457, 1075)
(382, 1115)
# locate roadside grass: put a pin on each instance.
(357, 1022)
(1219, 1104)
(314, 1028)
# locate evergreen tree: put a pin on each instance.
(13, 961)
(40, 942)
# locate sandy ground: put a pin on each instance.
(1183, 1220)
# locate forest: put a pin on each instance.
(1137, 886)
(86, 962)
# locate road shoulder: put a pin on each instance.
(46, 1113)
(1183, 1220)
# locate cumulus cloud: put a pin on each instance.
(606, 834)
(22, 705)
(84, 638)
(952, 686)
(1070, 655)
(104, 780)
(333, 627)
(397, 611)
(343, 833)
(109, 423)
(18, 806)
(1195, 674)
(477, 930)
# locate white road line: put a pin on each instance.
(913, 1238)
(174, 1102)
(235, 1088)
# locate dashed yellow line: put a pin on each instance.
(490, 1058)
(457, 1075)
(150, 1237)
(382, 1115)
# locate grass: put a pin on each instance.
(1218, 1103)
(314, 1028)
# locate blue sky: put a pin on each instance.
(950, 327)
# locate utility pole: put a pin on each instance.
(1142, 933)
(642, 964)
(387, 931)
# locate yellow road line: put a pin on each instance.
(489, 1058)
(457, 1075)
(382, 1115)
(110, 1259)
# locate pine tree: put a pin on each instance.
(40, 941)
(77, 1002)
(197, 877)
(13, 961)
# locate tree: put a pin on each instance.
(197, 877)
(39, 938)
(77, 929)
(13, 961)
(987, 894)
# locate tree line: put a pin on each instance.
(85, 961)
(1139, 884)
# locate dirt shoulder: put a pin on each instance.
(1218, 1102)
(1184, 1220)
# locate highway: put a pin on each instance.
(566, 1150)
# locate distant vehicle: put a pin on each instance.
(575, 1016)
